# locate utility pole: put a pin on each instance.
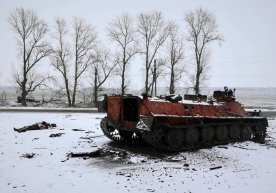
(155, 78)
(95, 87)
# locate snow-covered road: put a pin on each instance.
(242, 167)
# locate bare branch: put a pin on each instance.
(175, 52)
(62, 54)
(85, 43)
(153, 31)
(203, 30)
(102, 69)
(122, 32)
(37, 80)
(31, 33)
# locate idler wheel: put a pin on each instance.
(109, 131)
(246, 133)
(260, 133)
(221, 133)
(234, 132)
(191, 136)
(126, 135)
(207, 134)
(176, 139)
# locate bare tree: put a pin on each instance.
(203, 30)
(72, 61)
(122, 32)
(175, 52)
(62, 54)
(102, 69)
(153, 31)
(31, 33)
(85, 42)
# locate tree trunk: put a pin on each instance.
(147, 72)
(123, 71)
(123, 80)
(198, 61)
(155, 87)
(23, 93)
(147, 82)
(151, 88)
(96, 88)
(95, 96)
(74, 92)
(76, 76)
(68, 93)
(154, 79)
(197, 82)
(172, 88)
(24, 82)
(74, 97)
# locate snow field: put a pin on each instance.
(245, 167)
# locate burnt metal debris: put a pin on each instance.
(56, 134)
(98, 153)
(28, 155)
(215, 168)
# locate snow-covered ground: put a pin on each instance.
(242, 167)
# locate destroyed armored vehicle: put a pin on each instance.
(172, 124)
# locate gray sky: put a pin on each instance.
(247, 57)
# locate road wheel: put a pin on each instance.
(221, 133)
(260, 133)
(176, 139)
(159, 134)
(191, 136)
(234, 132)
(126, 135)
(207, 134)
(246, 132)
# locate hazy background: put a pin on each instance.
(246, 58)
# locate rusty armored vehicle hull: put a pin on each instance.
(172, 124)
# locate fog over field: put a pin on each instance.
(258, 98)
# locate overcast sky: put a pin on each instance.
(247, 57)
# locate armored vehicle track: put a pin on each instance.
(207, 132)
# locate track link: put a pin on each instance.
(113, 131)
(167, 137)
(209, 133)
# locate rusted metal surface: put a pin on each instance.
(159, 122)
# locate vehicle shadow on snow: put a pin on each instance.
(118, 154)
(139, 149)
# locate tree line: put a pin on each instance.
(74, 49)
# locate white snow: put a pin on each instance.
(49, 109)
(245, 167)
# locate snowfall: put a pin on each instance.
(237, 167)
